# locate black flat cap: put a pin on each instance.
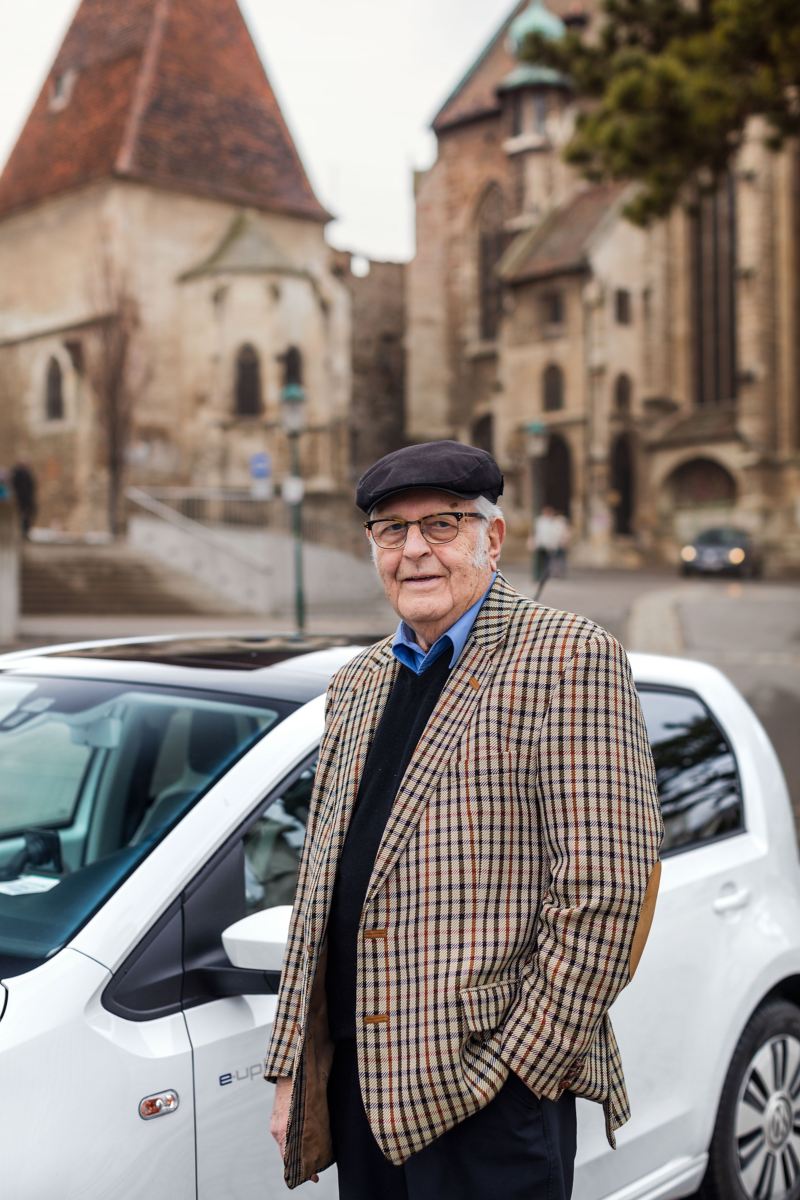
(447, 466)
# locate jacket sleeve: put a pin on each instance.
(601, 831)
(281, 1053)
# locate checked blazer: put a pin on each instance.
(511, 895)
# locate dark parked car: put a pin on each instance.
(722, 551)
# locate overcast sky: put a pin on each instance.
(358, 80)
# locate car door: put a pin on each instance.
(256, 869)
(673, 1023)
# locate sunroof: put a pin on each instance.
(233, 653)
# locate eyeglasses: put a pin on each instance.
(391, 533)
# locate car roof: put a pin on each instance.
(279, 666)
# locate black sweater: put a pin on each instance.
(410, 704)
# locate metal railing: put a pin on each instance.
(327, 521)
(199, 530)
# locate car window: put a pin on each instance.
(721, 537)
(698, 780)
(92, 775)
(274, 843)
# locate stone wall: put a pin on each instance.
(378, 314)
(62, 266)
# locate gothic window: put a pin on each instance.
(292, 361)
(622, 394)
(61, 89)
(516, 114)
(553, 308)
(248, 382)
(54, 392)
(622, 306)
(491, 244)
(553, 388)
(540, 112)
(622, 483)
(713, 296)
(483, 433)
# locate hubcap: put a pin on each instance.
(768, 1122)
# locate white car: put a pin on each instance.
(153, 797)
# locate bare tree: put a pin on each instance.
(110, 368)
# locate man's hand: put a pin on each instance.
(280, 1116)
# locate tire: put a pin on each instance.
(755, 1148)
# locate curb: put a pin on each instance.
(654, 625)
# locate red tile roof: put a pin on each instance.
(560, 243)
(169, 92)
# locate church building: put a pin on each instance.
(644, 382)
(163, 269)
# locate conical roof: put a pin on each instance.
(167, 92)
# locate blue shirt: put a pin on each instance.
(411, 655)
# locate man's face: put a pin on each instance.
(431, 586)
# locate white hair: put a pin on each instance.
(485, 508)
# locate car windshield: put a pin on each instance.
(92, 775)
(721, 537)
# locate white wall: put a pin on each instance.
(254, 569)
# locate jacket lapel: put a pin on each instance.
(460, 694)
(355, 725)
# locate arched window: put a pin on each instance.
(491, 244)
(557, 475)
(552, 388)
(483, 433)
(248, 382)
(292, 361)
(623, 390)
(622, 482)
(54, 392)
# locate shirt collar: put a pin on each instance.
(411, 655)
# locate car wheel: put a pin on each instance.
(755, 1149)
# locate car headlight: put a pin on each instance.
(736, 556)
(688, 554)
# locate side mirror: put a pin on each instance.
(258, 942)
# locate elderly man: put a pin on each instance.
(479, 872)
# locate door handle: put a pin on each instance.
(730, 901)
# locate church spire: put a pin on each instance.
(166, 92)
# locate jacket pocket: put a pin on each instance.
(485, 1007)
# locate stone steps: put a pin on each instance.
(86, 580)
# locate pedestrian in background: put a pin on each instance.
(564, 536)
(544, 542)
(23, 485)
(478, 876)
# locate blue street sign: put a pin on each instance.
(260, 466)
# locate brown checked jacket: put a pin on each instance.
(511, 896)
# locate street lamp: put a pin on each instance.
(293, 399)
(537, 441)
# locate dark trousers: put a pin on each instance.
(518, 1147)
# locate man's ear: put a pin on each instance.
(497, 535)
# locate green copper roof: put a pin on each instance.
(536, 18)
(528, 75)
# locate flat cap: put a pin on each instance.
(447, 466)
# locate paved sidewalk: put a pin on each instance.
(606, 597)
